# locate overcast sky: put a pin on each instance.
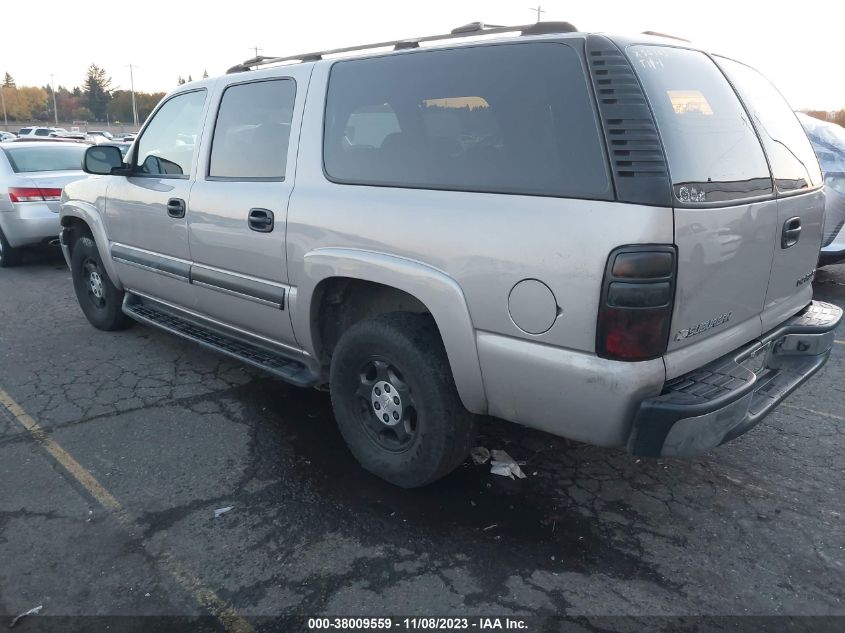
(798, 45)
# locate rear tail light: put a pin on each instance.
(52, 194)
(34, 194)
(638, 292)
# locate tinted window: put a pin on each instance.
(253, 130)
(46, 157)
(714, 154)
(793, 162)
(169, 141)
(513, 118)
(42, 131)
(25, 130)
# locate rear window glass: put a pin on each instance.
(714, 154)
(513, 118)
(45, 157)
(793, 162)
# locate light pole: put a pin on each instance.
(539, 10)
(55, 110)
(134, 107)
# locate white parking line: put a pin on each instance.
(836, 340)
(222, 610)
(813, 411)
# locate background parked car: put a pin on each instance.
(6, 136)
(123, 146)
(32, 175)
(98, 136)
(35, 131)
(828, 140)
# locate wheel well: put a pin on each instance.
(76, 228)
(340, 302)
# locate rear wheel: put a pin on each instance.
(8, 256)
(98, 297)
(395, 400)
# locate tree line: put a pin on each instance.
(824, 115)
(95, 100)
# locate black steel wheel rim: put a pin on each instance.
(385, 405)
(92, 277)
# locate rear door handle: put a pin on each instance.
(261, 220)
(176, 208)
(791, 232)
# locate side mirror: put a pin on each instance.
(103, 160)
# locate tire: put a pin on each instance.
(395, 365)
(8, 256)
(98, 297)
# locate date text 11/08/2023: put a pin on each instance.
(419, 623)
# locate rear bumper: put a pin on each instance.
(29, 223)
(833, 254)
(724, 399)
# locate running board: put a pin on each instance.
(258, 356)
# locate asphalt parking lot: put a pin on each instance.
(117, 448)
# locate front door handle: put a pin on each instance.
(261, 220)
(791, 232)
(176, 208)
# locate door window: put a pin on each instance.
(252, 131)
(168, 144)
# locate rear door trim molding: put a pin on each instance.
(269, 293)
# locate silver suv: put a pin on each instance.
(611, 239)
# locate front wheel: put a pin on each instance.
(98, 297)
(395, 400)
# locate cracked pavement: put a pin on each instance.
(174, 432)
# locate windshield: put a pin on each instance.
(45, 158)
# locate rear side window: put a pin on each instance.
(714, 154)
(252, 132)
(46, 158)
(794, 163)
(42, 131)
(513, 118)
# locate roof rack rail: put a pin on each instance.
(467, 30)
(671, 37)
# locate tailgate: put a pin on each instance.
(800, 201)
(725, 207)
(800, 220)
